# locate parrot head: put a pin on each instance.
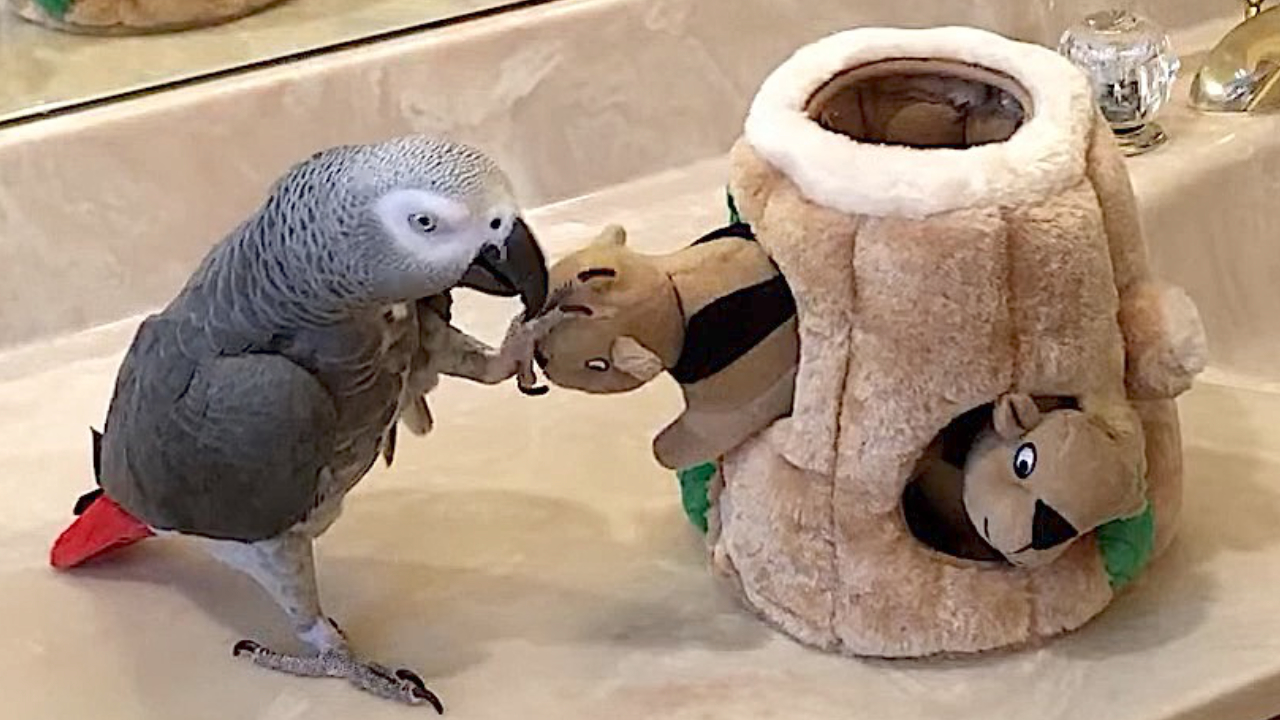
(413, 217)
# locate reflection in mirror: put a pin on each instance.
(57, 54)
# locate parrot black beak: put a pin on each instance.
(519, 268)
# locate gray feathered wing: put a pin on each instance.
(224, 446)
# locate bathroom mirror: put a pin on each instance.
(45, 70)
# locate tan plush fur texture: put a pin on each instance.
(139, 16)
(906, 322)
(638, 306)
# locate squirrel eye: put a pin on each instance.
(598, 364)
(1024, 461)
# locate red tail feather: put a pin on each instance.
(104, 526)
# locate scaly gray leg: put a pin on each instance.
(285, 568)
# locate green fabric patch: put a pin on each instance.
(694, 483)
(734, 217)
(696, 480)
(56, 8)
(1126, 546)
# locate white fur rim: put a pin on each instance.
(1045, 155)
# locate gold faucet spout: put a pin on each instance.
(1242, 73)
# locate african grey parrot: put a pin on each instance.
(247, 408)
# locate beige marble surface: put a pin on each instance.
(532, 560)
(571, 96)
(44, 70)
(1209, 206)
(529, 557)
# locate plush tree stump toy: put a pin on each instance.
(966, 437)
(130, 17)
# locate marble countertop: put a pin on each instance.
(532, 561)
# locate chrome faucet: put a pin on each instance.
(1242, 73)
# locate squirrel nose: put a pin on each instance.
(1048, 528)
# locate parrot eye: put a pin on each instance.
(495, 224)
(598, 364)
(423, 222)
(1024, 461)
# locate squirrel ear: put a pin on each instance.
(635, 359)
(612, 235)
(1015, 414)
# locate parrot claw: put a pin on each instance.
(420, 690)
(527, 380)
(245, 646)
(412, 677)
(521, 344)
(403, 684)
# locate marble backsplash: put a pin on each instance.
(104, 212)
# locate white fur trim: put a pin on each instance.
(1045, 155)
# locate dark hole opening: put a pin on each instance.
(921, 103)
(933, 501)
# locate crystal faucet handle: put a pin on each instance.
(1132, 67)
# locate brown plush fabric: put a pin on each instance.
(1164, 466)
(1165, 346)
(813, 247)
(905, 324)
(921, 103)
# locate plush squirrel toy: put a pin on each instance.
(1024, 478)
(716, 315)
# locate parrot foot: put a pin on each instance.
(402, 685)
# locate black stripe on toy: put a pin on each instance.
(592, 273)
(742, 231)
(725, 330)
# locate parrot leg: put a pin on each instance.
(285, 568)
